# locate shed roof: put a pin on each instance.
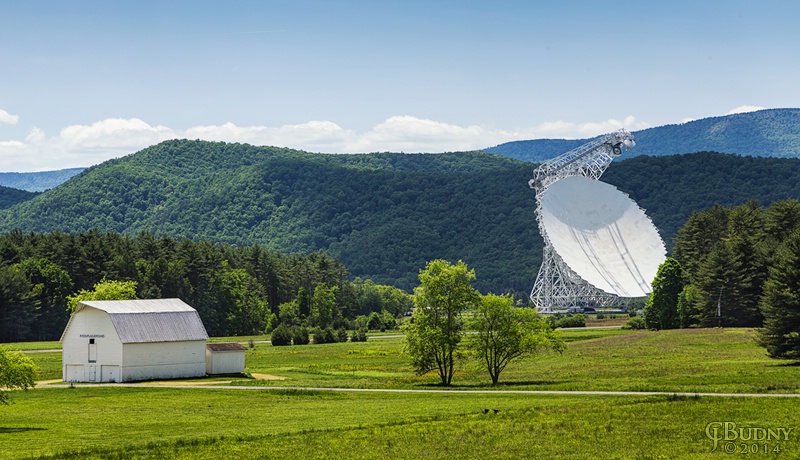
(151, 320)
(227, 346)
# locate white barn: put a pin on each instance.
(129, 340)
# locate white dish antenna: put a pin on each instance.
(599, 246)
(602, 235)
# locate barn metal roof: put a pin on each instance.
(153, 320)
(137, 306)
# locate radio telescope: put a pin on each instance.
(599, 245)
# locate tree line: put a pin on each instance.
(236, 290)
(735, 267)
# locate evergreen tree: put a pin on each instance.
(50, 285)
(698, 237)
(728, 287)
(780, 303)
(19, 307)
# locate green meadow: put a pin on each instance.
(266, 416)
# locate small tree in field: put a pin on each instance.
(17, 372)
(433, 337)
(505, 333)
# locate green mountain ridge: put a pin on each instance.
(764, 133)
(382, 215)
(11, 196)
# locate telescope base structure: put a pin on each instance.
(559, 288)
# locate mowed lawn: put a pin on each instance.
(101, 421)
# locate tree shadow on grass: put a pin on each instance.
(4, 430)
(790, 364)
(501, 384)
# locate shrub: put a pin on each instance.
(600, 316)
(300, 335)
(326, 335)
(318, 334)
(388, 320)
(281, 335)
(636, 322)
(270, 322)
(341, 334)
(359, 335)
(375, 322)
(572, 321)
(359, 323)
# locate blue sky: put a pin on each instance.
(85, 81)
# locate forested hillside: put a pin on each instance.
(765, 133)
(669, 188)
(381, 215)
(11, 196)
(37, 181)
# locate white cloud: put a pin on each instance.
(114, 134)
(7, 118)
(569, 130)
(744, 109)
(314, 135)
(86, 145)
(11, 146)
(412, 134)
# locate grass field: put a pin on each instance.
(101, 421)
(693, 360)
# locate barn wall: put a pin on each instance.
(163, 360)
(88, 324)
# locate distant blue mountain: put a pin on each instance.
(766, 133)
(37, 181)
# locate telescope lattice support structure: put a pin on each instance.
(557, 286)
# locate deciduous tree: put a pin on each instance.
(17, 372)
(104, 290)
(433, 337)
(661, 311)
(505, 333)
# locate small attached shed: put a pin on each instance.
(129, 340)
(225, 358)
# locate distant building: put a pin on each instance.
(130, 340)
(225, 358)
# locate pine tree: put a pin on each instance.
(698, 237)
(780, 303)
